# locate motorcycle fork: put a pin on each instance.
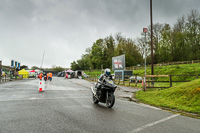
(107, 95)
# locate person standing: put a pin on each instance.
(50, 75)
(47, 76)
(40, 76)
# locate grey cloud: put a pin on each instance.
(65, 28)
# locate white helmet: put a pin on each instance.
(107, 71)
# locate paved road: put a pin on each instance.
(66, 107)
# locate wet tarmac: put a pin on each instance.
(66, 106)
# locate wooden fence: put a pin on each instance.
(150, 80)
(118, 80)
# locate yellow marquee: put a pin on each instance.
(24, 73)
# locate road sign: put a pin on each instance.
(145, 30)
(118, 62)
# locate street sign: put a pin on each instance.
(118, 62)
(145, 30)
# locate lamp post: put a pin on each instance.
(152, 59)
(42, 59)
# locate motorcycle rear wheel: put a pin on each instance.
(95, 100)
(110, 100)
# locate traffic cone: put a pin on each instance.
(41, 86)
(143, 83)
(40, 89)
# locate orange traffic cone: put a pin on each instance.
(40, 89)
(41, 86)
(143, 83)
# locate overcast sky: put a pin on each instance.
(65, 28)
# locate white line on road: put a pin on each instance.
(34, 98)
(149, 106)
(152, 124)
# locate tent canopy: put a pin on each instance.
(32, 71)
(70, 70)
(24, 73)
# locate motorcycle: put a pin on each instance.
(45, 77)
(104, 92)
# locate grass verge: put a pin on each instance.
(183, 97)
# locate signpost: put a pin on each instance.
(145, 30)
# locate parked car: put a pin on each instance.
(58, 74)
(139, 79)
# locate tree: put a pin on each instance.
(97, 53)
(34, 67)
(193, 37)
(75, 66)
(58, 69)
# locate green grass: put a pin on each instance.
(93, 73)
(184, 97)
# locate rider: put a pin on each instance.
(103, 77)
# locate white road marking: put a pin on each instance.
(34, 98)
(149, 106)
(152, 124)
(141, 104)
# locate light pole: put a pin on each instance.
(42, 59)
(152, 59)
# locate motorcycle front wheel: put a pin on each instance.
(110, 100)
(95, 100)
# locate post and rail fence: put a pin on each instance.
(170, 81)
(118, 79)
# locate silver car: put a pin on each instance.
(139, 79)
